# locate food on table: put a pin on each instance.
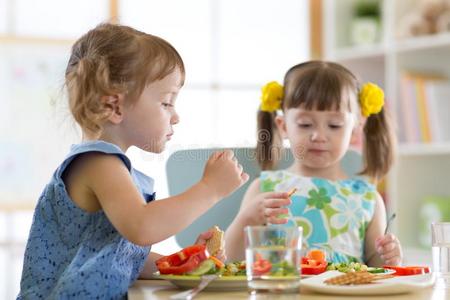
(408, 270)
(375, 270)
(312, 266)
(204, 267)
(216, 243)
(236, 268)
(183, 261)
(347, 267)
(314, 263)
(195, 261)
(356, 278)
(261, 266)
(316, 254)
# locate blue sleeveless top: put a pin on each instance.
(76, 254)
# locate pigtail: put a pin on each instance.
(268, 140)
(379, 145)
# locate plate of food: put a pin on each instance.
(229, 283)
(186, 267)
(365, 283)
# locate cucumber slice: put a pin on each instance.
(375, 270)
(204, 267)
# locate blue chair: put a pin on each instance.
(185, 167)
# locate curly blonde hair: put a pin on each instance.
(114, 59)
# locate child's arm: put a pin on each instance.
(256, 209)
(107, 178)
(150, 267)
(381, 249)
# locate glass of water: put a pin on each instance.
(440, 232)
(273, 258)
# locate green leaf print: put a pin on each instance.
(318, 198)
(362, 230)
(330, 212)
(269, 185)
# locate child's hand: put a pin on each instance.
(205, 236)
(223, 173)
(267, 208)
(389, 249)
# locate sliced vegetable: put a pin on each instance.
(182, 261)
(316, 254)
(261, 266)
(314, 267)
(205, 266)
(347, 267)
(218, 262)
(409, 270)
(314, 263)
(374, 270)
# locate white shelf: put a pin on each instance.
(435, 41)
(420, 170)
(360, 52)
(420, 43)
(424, 149)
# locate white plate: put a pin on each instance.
(395, 285)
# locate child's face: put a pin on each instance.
(149, 122)
(318, 139)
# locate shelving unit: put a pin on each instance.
(421, 169)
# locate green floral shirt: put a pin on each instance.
(334, 215)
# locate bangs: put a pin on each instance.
(318, 88)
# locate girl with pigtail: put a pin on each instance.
(320, 110)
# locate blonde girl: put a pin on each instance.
(96, 219)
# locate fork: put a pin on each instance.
(388, 223)
(190, 294)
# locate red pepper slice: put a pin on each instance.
(312, 266)
(261, 266)
(182, 261)
(409, 270)
(308, 269)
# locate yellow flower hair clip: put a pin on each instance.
(272, 94)
(371, 99)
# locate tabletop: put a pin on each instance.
(161, 289)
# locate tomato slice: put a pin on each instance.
(182, 261)
(316, 254)
(408, 270)
(261, 266)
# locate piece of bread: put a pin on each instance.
(216, 243)
(356, 278)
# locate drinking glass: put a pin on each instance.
(273, 258)
(440, 241)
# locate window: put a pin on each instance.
(231, 48)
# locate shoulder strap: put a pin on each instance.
(94, 146)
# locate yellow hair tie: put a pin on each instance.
(272, 94)
(371, 99)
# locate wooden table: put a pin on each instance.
(161, 289)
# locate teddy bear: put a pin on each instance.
(427, 17)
